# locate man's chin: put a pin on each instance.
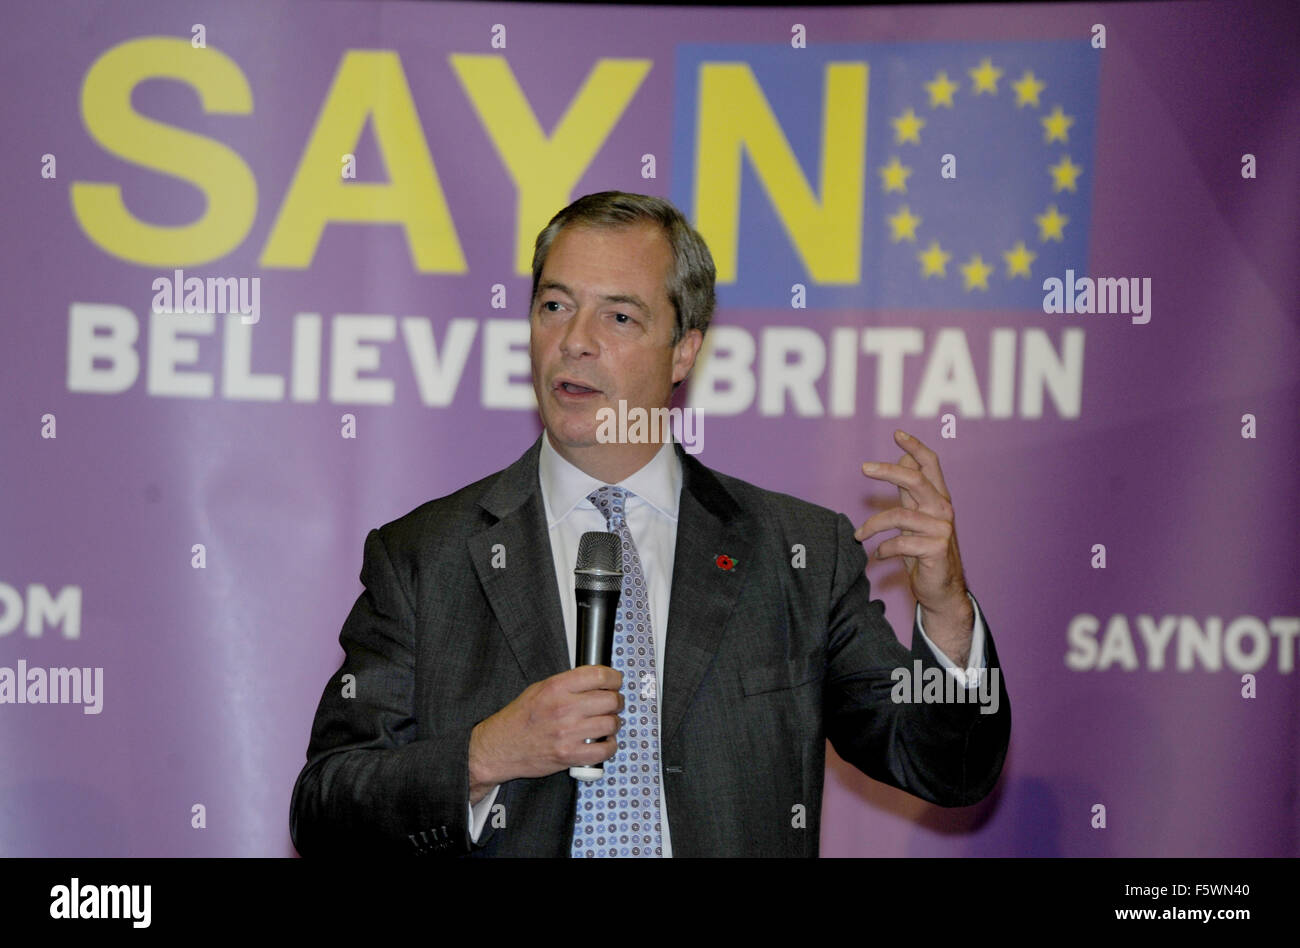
(576, 422)
(573, 436)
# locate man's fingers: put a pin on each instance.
(588, 755)
(591, 677)
(925, 458)
(602, 732)
(900, 518)
(598, 701)
(594, 728)
(922, 492)
(609, 724)
(911, 545)
(905, 498)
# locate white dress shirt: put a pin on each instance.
(651, 515)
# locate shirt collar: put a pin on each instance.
(565, 486)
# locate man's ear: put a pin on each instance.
(685, 353)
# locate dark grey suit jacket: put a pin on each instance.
(763, 663)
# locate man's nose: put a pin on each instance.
(579, 337)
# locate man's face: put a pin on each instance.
(601, 327)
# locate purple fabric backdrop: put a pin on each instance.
(210, 675)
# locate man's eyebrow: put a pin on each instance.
(630, 298)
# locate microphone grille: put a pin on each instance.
(600, 562)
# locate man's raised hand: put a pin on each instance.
(928, 541)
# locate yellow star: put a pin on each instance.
(933, 260)
(1056, 126)
(1027, 88)
(1051, 224)
(907, 128)
(986, 77)
(902, 226)
(975, 273)
(1064, 173)
(941, 89)
(1018, 259)
(895, 176)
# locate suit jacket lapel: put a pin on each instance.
(709, 524)
(523, 596)
(526, 602)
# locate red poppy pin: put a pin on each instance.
(724, 561)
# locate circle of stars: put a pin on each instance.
(904, 224)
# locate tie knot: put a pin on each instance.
(609, 501)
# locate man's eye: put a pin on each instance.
(623, 318)
(550, 303)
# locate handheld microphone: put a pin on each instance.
(597, 587)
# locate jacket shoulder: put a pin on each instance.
(445, 518)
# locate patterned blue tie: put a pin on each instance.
(619, 814)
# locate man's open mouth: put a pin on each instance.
(573, 388)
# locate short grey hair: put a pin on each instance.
(692, 275)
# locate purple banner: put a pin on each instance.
(268, 272)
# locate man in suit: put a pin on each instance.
(457, 713)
